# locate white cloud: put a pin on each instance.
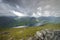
(45, 13)
(18, 13)
(34, 15)
(39, 14)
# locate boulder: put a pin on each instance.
(47, 35)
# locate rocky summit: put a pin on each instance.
(46, 35)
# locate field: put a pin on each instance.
(24, 33)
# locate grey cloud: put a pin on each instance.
(30, 6)
(4, 10)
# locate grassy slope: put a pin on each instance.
(18, 33)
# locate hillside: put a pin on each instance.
(13, 21)
(19, 33)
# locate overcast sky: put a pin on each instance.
(34, 8)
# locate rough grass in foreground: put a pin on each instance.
(18, 33)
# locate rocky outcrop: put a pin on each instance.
(46, 35)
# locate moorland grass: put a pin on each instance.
(18, 33)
